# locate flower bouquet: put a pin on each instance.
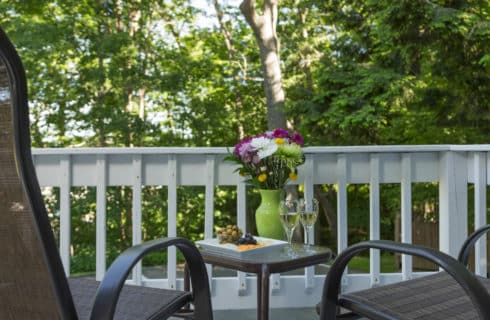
(269, 159)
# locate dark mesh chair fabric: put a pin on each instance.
(33, 284)
(454, 293)
(134, 302)
(434, 297)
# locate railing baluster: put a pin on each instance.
(242, 223)
(374, 218)
(209, 207)
(406, 212)
(101, 216)
(342, 241)
(136, 214)
(242, 205)
(342, 202)
(480, 177)
(309, 193)
(209, 198)
(65, 212)
(172, 219)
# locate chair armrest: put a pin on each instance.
(475, 290)
(110, 287)
(464, 253)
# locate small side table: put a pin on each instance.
(264, 263)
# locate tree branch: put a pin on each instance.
(247, 7)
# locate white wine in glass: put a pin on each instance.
(308, 213)
(289, 221)
(289, 218)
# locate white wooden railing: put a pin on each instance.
(453, 167)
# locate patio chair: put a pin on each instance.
(453, 293)
(33, 284)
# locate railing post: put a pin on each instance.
(453, 201)
(480, 180)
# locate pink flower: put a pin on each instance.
(267, 134)
(242, 147)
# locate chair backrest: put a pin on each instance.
(32, 281)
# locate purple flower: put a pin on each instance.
(297, 138)
(281, 133)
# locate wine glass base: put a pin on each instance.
(291, 250)
(308, 248)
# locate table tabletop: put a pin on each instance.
(278, 260)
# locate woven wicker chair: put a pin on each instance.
(454, 293)
(33, 284)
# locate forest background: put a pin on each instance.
(114, 73)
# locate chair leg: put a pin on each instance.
(184, 314)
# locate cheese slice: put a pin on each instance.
(244, 247)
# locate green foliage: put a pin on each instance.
(148, 73)
(404, 72)
(360, 264)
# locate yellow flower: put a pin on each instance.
(279, 140)
(262, 177)
(293, 176)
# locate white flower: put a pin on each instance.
(264, 146)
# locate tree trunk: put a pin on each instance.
(264, 28)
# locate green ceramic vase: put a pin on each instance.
(267, 215)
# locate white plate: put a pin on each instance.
(214, 246)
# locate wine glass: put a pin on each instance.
(308, 213)
(288, 212)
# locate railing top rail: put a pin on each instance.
(399, 148)
(224, 150)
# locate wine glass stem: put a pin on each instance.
(307, 240)
(289, 234)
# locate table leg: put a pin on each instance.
(263, 283)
